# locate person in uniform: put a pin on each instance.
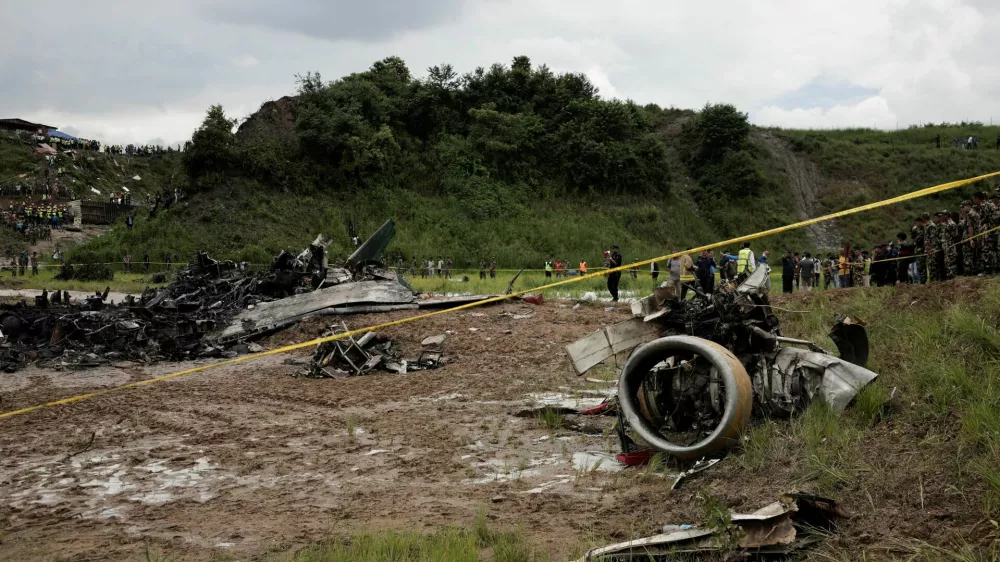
(614, 260)
(987, 241)
(950, 242)
(969, 228)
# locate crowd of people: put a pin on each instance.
(35, 221)
(429, 268)
(938, 247)
(136, 150)
(20, 262)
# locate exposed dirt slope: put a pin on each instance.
(805, 181)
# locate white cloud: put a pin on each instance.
(246, 61)
(162, 65)
(873, 112)
(600, 79)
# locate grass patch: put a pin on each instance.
(133, 283)
(352, 425)
(760, 445)
(550, 418)
(480, 543)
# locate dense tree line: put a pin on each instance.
(518, 126)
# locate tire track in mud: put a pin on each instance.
(805, 181)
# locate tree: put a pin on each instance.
(212, 146)
(718, 129)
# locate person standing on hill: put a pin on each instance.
(935, 251)
(857, 269)
(704, 271)
(448, 265)
(745, 262)
(918, 233)
(969, 226)
(482, 268)
(987, 219)
(950, 240)
(614, 260)
(807, 270)
(787, 272)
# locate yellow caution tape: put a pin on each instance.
(410, 319)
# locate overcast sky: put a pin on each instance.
(127, 71)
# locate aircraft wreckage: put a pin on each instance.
(699, 368)
(215, 309)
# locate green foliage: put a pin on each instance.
(523, 125)
(211, 150)
(716, 149)
(718, 130)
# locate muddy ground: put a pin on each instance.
(248, 462)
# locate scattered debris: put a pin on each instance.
(534, 299)
(791, 524)
(699, 367)
(433, 341)
(351, 356)
(703, 464)
(86, 272)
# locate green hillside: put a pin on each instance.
(512, 162)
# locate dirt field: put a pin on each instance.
(248, 462)
(247, 459)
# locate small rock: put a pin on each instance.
(433, 340)
(254, 347)
(497, 499)
(576, 306)
(473, 329)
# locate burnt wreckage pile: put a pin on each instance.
(208, 311)
(699, 368)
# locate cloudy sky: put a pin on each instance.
(127, 71)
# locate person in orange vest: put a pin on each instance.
(583, 267)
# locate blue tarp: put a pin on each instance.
(61, 135)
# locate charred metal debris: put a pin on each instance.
(777, 531)
(358, 356)
(212, 309)
(698, 369)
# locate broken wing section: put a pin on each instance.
(592, 350)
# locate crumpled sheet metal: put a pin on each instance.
(832, 380)
(781, 527)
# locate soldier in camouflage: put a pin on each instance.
(917, 234)
(932, 247)
(970, 250)
(950, 241)
(987, 220)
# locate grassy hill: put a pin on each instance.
(513, 163)
(861, 166)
